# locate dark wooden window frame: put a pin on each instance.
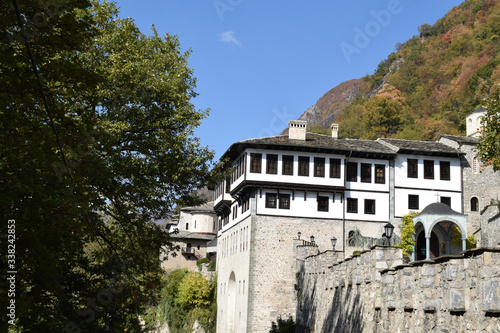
(287, 167)
(335, 167)
(352, 205)
(272, 164)
(319, 167)
(412, 168)
(379, 174)
(323, 203)
(413, 201)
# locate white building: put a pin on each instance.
(319, 186)
(196, 227)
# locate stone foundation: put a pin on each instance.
(375, 292)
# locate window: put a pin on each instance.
(322, 204)
(412, 168)
(369, 206)
(255, 162)
(187, 226)
(287, 165)
(303, 166)
(352, 205)
(412, 201)
(284, 201)
(444, 170)
(446, 201)
(474, 204)
(334, 168)
(379, 173)
(270, 200)
(272, 164)
(228, 184)
(366, 173)
(428, 169)
(352, 172)
(235, 212)
(319, 167)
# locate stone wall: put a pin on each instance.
(375, 292)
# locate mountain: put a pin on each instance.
(425, 88)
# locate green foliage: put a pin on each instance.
(201, 261)
(120, 101)
(213, 265)
(441, 75)
(407, 232)
(489, 141)
(194, 291)
(470, 242)
(318, 129)
(355, 252)
(283, 326)
(186, 297)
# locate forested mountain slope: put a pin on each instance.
(428, 86)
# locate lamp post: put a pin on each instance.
(298, 235)
(312, 240)
(389, 229)
(334, 242)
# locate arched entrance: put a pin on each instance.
(435, 224)
(420, 246)
(231, 303)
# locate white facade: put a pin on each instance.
(320, 186)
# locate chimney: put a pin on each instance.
(297, 130)
(335, 130)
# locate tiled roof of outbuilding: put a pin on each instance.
(461, 139)
(438, 208)
(207, 207)
(421, 147)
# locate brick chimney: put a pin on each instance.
(335, 130)
(297, 130)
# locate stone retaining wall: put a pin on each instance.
(375, 292)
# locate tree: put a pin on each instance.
(407, 232)
(92, 150)
(489, 141)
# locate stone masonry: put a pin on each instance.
(375, 292)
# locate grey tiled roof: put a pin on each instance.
(182, 234)
(207, 207)
(461, 139)
(313, 142)
(438, 208)
(421, 147)
(385, 148)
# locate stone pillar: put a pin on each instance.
(464, 244)
(427, 248)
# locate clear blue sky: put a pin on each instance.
(259, 63)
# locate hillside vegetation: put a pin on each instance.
(432, 81)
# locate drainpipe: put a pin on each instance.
(344, 201)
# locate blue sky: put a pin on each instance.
(259, 63)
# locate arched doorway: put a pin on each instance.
(231, 303)
(420, 246)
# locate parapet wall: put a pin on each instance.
(375, 292)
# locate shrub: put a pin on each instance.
(201, 261)
(283, 326)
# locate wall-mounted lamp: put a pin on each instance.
(389, 229)
(298, 235)
(312, 240)
(334, 242)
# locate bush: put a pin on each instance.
(212, 266)
(283, 326)
(201, 261)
